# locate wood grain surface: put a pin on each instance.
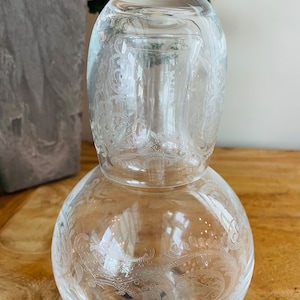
(267, 182)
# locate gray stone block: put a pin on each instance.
(41, 78)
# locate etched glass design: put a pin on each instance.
(156, 82)
(112, 241)
(153, 221)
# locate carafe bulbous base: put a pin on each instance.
(113, 241)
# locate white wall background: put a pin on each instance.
(262, 102)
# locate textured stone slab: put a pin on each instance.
(41, 75)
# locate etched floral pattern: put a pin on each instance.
(155, 96)
(100, 247)
(173, 229)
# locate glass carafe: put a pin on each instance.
(153, 220)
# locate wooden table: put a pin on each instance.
(267, 182)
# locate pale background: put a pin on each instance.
(262, 102)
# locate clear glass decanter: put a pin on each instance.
(153, 221)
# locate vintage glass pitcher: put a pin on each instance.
(153, 221)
